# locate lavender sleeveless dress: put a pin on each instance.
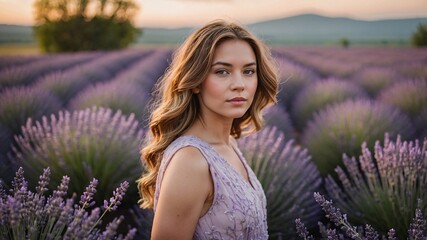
(238, 210)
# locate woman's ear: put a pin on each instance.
(195, 90)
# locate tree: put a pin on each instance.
(84, 25)
(419, 38)
(345, 43)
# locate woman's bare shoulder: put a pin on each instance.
(189, 157)
(185, 187)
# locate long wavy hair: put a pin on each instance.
(176, 107)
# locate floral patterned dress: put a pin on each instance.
(238, 210)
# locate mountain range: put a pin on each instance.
(300, 29)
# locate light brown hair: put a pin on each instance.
(177, 107)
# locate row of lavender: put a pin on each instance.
(328, 110)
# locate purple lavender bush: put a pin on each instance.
(383, 187)
(293, 78)
(374, 79)
(146, 71)
(143, 219)
(17, 60)
(343, 127)
(288, 177)
(27, 73)
(17, 104)
(36, 215)
(65, 84)
(128, 97)
(410, 96)
(320, 94)
(416, 69)
(345, 230)
(91, 143)
(277, 116)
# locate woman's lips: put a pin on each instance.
(237, 101)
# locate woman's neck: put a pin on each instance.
(213, 131)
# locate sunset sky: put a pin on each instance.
(180, 13)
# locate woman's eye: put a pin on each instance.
(221, 72)
(249, 72)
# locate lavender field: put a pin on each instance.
(350, 124)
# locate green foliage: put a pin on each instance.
(62, 28)
(344, 42)
(419, 38)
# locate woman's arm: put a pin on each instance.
(185, 187)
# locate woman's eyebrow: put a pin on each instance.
(229, 64)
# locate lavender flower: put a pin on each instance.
(335, 215)
(382, 185)
(117, 198)
(332, 234)
(87, 196)
(25, 215)
(370, 233)
(86, 144)
(343, 127)
(19, 180)
(43, 182)
(288, 177)
(391, 234)
(302, 230)
(111, 228)
(418, 225)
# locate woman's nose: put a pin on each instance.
(238, 82)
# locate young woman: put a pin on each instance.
(198, 182)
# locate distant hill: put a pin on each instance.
(314, 28)
(301, 29)
(16, 34)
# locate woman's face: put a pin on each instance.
(230, 86)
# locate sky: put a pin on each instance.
(190, 13)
